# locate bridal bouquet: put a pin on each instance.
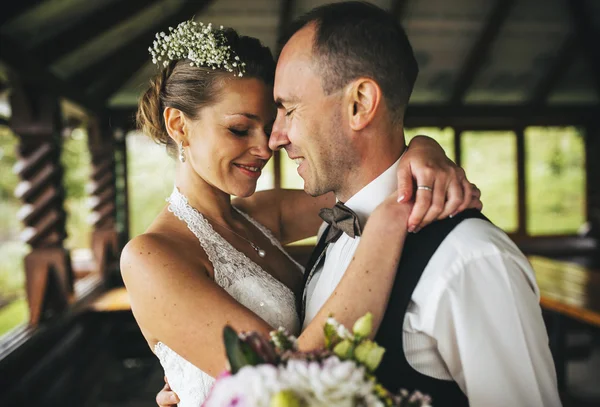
(273, 373)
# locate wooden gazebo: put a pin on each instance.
(485, 65)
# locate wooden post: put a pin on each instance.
(592, 152)
(121, 123)
(521, 182)
(458, 159)
(36, 121)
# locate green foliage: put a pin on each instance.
(16, 313)
(13, 304)
(239, 353)
(9, 225)
(555, 180)
(443, 136)
(12, 277)
(490, 161)
(150, 177)
(76, 162)
(8, 158)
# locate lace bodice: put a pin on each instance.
(243, 279)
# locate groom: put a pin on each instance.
(464, 323)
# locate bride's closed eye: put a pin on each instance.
(238, 131)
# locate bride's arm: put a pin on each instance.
(177, 303)
(368, 280)
(294, 215)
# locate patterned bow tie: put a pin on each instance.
(342, 220)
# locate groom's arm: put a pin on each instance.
(491, 334)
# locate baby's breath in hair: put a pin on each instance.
(199, 43)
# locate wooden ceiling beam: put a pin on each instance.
(478, 54)
(490, 117)
(87, 29)
(30, 70)
(12, 9)
(587, 36)
(133, 56)
(555, 72)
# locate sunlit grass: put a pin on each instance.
(13, 315)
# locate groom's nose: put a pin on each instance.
(279, 138)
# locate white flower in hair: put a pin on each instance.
(200, 44)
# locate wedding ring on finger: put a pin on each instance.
(425, 188)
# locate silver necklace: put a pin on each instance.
(261, 253)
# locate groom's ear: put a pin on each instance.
(365, 97)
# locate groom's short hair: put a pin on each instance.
(355, 39)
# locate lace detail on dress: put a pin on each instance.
(243, 279)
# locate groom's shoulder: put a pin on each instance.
(478, 236)
(474, 246)
(476, 239)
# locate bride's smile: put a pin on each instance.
(227, 143)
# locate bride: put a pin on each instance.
(208, 260)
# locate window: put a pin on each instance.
(267, 178)
(443, 136)
(151, 177)
(289, 173)
(13, 301)
(555, 180)
(490, 161)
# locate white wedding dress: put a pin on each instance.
(244, 280)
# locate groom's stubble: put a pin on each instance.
(336, 157)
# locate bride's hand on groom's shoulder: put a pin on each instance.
(391, 214)
(438, 187)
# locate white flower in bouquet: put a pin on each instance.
(332, 383)
(251, 386)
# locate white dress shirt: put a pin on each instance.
(474, 316)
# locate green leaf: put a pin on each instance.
(251, 354)
(233, 347)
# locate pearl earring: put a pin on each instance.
(181, 152)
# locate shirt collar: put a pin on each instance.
(364, 202)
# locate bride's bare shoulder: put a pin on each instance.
(160, 251)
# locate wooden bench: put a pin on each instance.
(568, 291)
(114, 300)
